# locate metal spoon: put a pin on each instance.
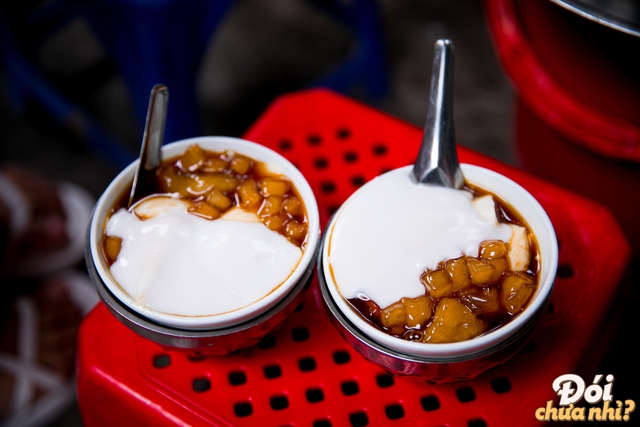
(437, 161)
(144, 180)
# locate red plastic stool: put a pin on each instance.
(304, 374)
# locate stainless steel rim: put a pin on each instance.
(622, 15)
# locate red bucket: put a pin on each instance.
(578, 108)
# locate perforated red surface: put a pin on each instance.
(303, 374)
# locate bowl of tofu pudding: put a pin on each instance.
(436, 283)
(217, 255)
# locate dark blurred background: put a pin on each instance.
(257, 51)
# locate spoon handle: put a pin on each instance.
(155, 124)
(437, 161)
(150, 155)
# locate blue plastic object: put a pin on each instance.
(162, 41)
(158, 41)
(24, 81)
(365, 66)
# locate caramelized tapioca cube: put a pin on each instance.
(492, 249)
(270, 206)
(240, 164)
(296, 231)
(184, 184)
(203, 210)
(417, 310)
(437, 282)
(199, 184)
(192, 159)
(249, 195)
(480, 300)
(393, 317)
(501, 265)
(453, 322)
(408, 312)
(516, 291)
(458, 272)
(274, 222)
(192, 184)
(480, 271)
(214, 164)
(221, 181)
(173, 182)
(219, 200)
(292, 206)
(273, 187)
(112, 247)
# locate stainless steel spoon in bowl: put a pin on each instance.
(437, 161)
(144, 180)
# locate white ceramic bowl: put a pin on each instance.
(255, 151)
(539, 223)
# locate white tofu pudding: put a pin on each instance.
(226, 239)
(435, 272)
(169, 255)
(405, 233)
